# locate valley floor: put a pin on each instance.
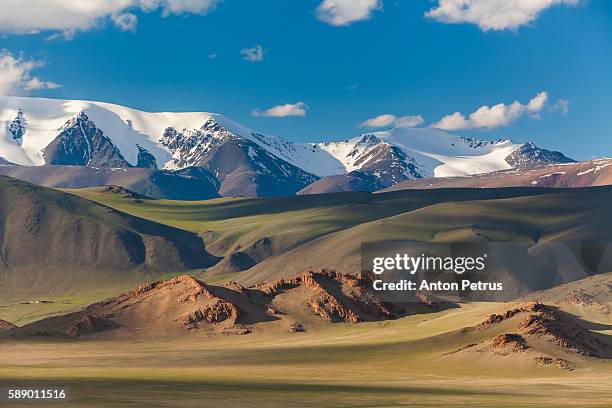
(385, 364)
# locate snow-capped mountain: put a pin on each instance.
(37, 132)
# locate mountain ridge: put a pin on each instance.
(38, 131)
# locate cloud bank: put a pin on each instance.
(493, 14)
(491, 117)
(389, 120)
(70, 16)
(16, 75)
(346, 12)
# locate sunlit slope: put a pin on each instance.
(230, 224)
(313, 232)
(580, 215)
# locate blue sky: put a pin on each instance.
(392, 59)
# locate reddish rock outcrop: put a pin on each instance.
(86, 325)
(4, 325)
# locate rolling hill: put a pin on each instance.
(54, 243)
(57, 243)
(263, 239)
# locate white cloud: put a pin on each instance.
(345, 12)
(184, 6)
(491, 117)
(562, 105)
(16, 75)
(493, 14)
(36, 84)
(389, 120)
(213, 55)
(281, 111)
(125, 21)
(536, 104)
(70, 16)
(255, 54)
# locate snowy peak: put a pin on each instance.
(81, 143)
(369, 154)
(37, 131)
(243, 163)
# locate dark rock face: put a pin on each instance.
(17, 128)
(529, 156)
(81, 143)
(145, 159)
(390, 165)
(242, 167)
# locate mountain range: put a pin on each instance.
(38, 133)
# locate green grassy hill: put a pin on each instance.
(312, 232)
(79, 251)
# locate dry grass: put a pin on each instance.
(397, 363)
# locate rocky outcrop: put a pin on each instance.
(87, 325)
(557, 362)
(4, 325)
(535, 320)
(110, 189)
(337, 297)
(17, 128)
(530, 156)
(145, 159)
(498, 318)
(217, 311)
(509, 343)
(185, 304)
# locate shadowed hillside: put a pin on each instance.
(52, 242)
(187, 184)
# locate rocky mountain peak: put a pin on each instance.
(145, 158)
(368, 140)
(529, 156)
(17, 127)
(81, 143)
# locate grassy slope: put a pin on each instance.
(233, 223)
(326, 230)
(397, 363)
(290, 221)
(573, 215)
